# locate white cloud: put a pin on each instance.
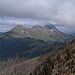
(59, 11)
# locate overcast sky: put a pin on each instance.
(58, 11)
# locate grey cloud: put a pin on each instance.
(60, 11)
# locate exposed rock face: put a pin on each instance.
(62, 62)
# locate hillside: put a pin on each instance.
(24, 47)
(46, 33)
(62, 62)
(71, 36)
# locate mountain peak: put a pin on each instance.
(18, 27)
(50, 26)
(38, 27)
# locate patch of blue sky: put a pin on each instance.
(4, 28)
(66, 29)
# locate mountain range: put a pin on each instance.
(40, 44)
(1, 33)
(46, 33)
(37, 40)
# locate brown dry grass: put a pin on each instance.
(17, 66)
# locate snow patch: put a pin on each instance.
(51, 30)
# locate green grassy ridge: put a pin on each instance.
(42, 57)
(42, 33)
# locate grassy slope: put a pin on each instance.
(42, 33)
(26, 47)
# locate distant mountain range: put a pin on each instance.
(46, 33)
(32, 42)
(1, 33)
